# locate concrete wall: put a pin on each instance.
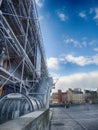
(38, 120)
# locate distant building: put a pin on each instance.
(69, 96)
(54, 98)
(87, 94)
(91, 96)
(75, 96)
(78, 97)
(64, 97)
(59, 96)
(77, 89)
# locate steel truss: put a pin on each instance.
(22, 57)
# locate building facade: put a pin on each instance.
(54, 98)
(78, 97)
(75, 96)
(91, 96)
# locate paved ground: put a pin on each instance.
(81, 117)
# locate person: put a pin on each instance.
(67, 105)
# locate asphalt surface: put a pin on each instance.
(79, 117)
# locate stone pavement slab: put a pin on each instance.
(82, 117)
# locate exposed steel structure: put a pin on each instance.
(23, 67)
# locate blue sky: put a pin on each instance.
(70, 34)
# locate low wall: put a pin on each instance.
(38, 120)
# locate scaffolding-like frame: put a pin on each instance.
(20, 43)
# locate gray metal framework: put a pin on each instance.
(23, 66)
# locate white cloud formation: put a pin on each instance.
(39, 3)
(53, 63)
(76, 43)
(41, 18)
(78, 80)
(80, 60)
(91, 10)
(62, 16)
(76, 60)
(46, 15)
(96, 14)
(82, 15)
(93, 42)
(95, 49)
(72, 41)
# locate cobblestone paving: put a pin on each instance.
(82, 117)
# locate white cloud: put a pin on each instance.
(45, 16)
(41, 17)
(84, 43)
(80, 60)
(91, 10)
(76, 43)
(95, 49)
(96, 14)
(93, 42)
(78, 80)
(39, 3)
(53, 63)
(62, 16)
(82, 15)
(72, 41)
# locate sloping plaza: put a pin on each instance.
(79, 117)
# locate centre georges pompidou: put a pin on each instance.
(23, 68)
